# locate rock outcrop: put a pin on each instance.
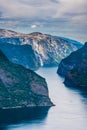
(72, 61)
(48, 49)
(21, 87)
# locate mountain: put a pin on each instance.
(74, 68)
(48, 49)
(77, 77)
(22, 55)
(73, 60)
(21, 87)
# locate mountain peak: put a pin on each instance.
(35, 33)
(7, 33)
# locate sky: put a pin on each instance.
(67, 18)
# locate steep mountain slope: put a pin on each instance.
(23, 55)
(77, 77)
(48, 49)
(73, 60)
(20, 87)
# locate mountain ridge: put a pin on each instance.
(49, 50)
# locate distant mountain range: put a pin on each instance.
(74, 68)
(36, 49)
(21, 87)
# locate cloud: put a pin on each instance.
(48, 10)
(33, 26)
(25, 8)
(71, 8)
(55, 1)
(39, 13)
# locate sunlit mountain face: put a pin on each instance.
(36, 49)
(57, 17)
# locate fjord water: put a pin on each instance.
(69, 112)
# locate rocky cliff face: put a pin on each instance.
(48, 50)
(20, 87)
(74, 68)
(72, 61)
(77, 77)
(23, 55)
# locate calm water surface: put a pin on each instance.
(70, 112)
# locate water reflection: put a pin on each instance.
(18, 116)
(81, 92)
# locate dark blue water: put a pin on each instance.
(70, 112)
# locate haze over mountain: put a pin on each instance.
(36, 49)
